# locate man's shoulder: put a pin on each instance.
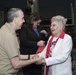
(5, 32)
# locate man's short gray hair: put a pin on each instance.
(13, 12)
(60, 19)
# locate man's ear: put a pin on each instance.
(15, 20)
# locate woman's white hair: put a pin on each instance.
(60, 19)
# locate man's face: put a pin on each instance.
(19, 20)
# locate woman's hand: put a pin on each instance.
(41, 43)
(44, 32)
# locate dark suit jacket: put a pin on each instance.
(28, 45)
(29, 39)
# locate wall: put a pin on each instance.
(75, 12)
(12, 3)
(49, 8)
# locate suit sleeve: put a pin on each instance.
(24, 38)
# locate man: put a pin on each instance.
(10, 58)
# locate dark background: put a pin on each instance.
(13, 3)
(47, 8)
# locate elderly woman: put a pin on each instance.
(57, 53)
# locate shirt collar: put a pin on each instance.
(61, 35)
(10, 28)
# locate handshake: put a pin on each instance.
(37, 59)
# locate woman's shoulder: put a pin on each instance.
(67, 36)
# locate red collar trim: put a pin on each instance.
(61, 35)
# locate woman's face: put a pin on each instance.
(36, 23)
(56, 29)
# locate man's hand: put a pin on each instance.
(41, 61)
